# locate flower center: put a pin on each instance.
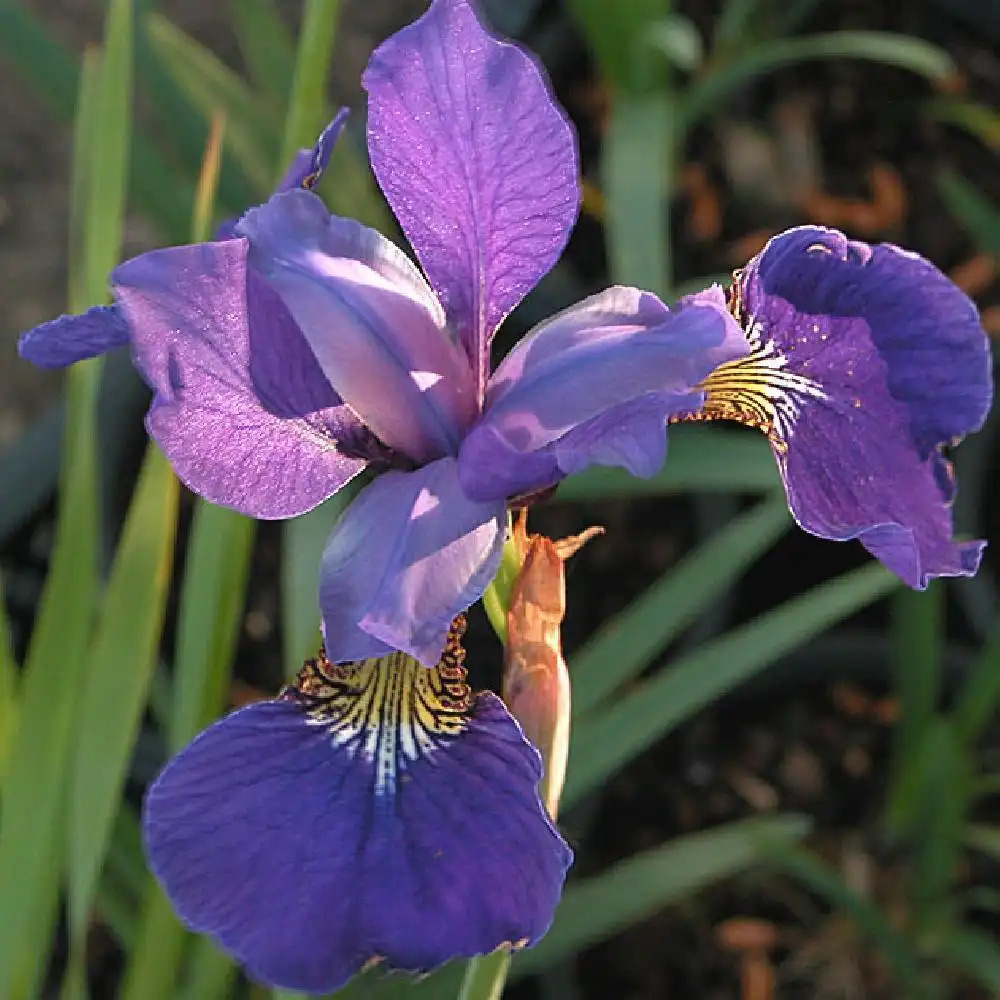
(757, 390)
(391, 710)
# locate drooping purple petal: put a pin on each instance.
(377, 814)
(410, 553)
(918, 321)
(876, 360)
(69, 339)
(477, 160)
(242, 409)
(371, 320)
(595, 384)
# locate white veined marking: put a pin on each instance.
(389, 711)
(758, 390)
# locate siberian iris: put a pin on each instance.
(378, 809)
(286, 359)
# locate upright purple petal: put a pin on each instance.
(595, 384)
(477, 160)
(409, 554)
(242, 409)
(69, 339)
(371, 320)
(306, 169)
(864, 362)
(380, 813)
(309, 165)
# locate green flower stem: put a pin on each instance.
(496, 600)
(485, 976)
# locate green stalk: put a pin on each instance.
(307, 104)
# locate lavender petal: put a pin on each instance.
(477, 160)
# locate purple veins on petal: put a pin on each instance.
(241, 407)
(69, 339)
(864, 362)
(478, 162)
(409, 554)
(371, 320)
(393, 813)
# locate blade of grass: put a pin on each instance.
(917, 627)
(119, 669)
(8, 689)
(946, 787)
(631, 890)
(979, 696)
(153, 962)
(307, 106)
(984, 838)
(976, 213)
(34, 799)
(701, 460)
(253, 128)
(51, 72)
(650, 710)
(638, 167)
(974, 952)
(211, 975)
(485, 976)
(303, 539)
(902, 51)
(627, 643)
(211, 610)
(266, 45)
(617, 35)
(100, 755)
(891, 944)
(110, 142)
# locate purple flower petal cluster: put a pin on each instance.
(287, 358)
(864, 362)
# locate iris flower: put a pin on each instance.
(378, 810)
(288, 358)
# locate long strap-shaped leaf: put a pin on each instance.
(606, 743)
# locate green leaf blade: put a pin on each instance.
(595, 908)
(605, 744)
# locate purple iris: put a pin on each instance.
(288, 358)
(864, 361)
(378, 810)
